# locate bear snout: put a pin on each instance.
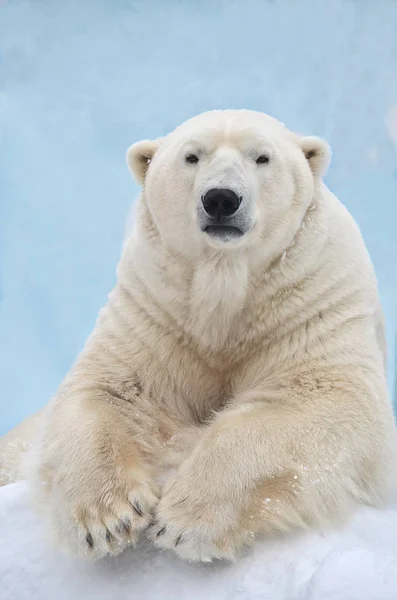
(220, 203)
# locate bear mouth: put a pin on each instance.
(223, 233)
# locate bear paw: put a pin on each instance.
(197, 527)
(104, 524)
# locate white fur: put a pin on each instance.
(253, 368)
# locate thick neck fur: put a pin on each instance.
(191, 327)
(208, 300)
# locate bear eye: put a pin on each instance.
(262, 159)
(192, 159)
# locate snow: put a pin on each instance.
(358, 562)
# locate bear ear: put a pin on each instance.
(139, 156)
(318, 154)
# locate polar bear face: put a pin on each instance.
(226, 179)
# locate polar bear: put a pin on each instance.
(234, 385)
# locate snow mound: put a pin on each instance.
(356, 563)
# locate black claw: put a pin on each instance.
(89, 540)
(109, 537)
(161, 532)
(137, 509)
(178, 539)
(123, 526)
(126, 525)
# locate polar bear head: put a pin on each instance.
(227, 180)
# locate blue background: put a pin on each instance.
(81, 80)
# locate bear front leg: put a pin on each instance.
(265, 465)
(90, 480)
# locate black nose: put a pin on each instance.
(221, 202)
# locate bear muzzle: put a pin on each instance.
(219, 214)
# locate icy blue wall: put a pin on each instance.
(81, 80)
